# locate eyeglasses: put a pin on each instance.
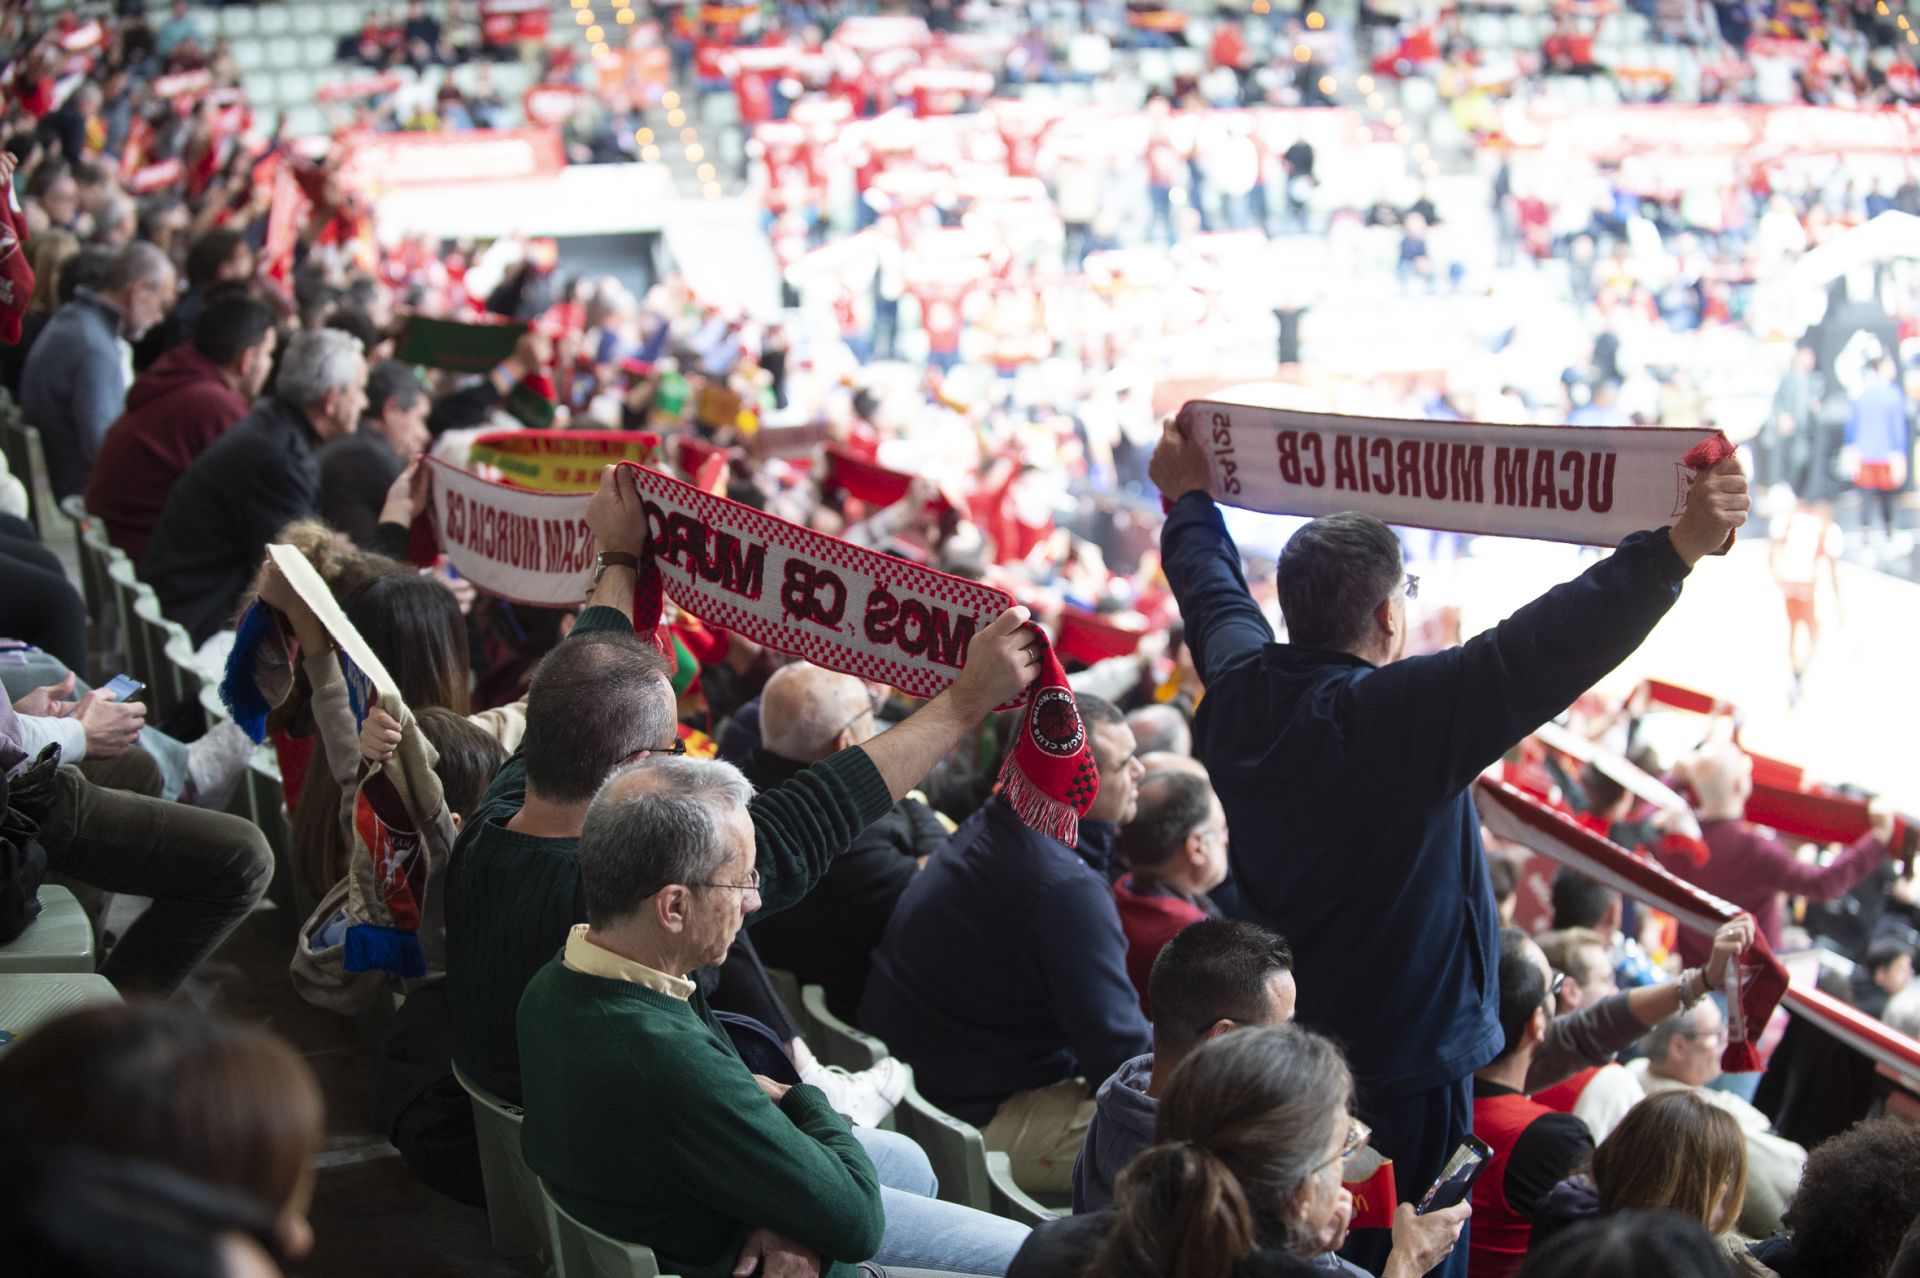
(678, 747)
(1413, 586)
(1358, 1134)
(751, 885)
(1553, 988)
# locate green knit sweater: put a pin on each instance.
(511, 897)
(647, 1125)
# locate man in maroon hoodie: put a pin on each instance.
(188, 399)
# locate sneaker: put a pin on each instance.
(865, 1098)
(215, 764)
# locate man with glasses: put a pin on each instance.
(1345, 770)
(808, 714)
(641, 1117)
(1683, 1051)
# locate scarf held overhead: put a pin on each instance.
(785, 587)
(1587, 485)
(560, 461)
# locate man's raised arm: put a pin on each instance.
(1201, 562)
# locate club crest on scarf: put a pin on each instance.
(1054, 723)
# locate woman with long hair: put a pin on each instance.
(231, 1106)
(1253, 1131)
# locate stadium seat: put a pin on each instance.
(249, 55)
(125, 587)
(27, 461)
(274, 19)
(31, 999)
(956, 1149)
(234, 20)
(835, 1041)
(307, 18)
(185, 672)
(787, 986)
(317, 50)
(164, 691)
(284, 52)
(515, 1209)
(266, 807)
(582, 1252)
(59, 940)
(1009, 1200)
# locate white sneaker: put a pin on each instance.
(865, 1098)
(215, 764)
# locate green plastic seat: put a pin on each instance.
(29, 1000)
(580, 1251)
(833, 1040)
(60, 939)
(956, 1149)
(515, 1213)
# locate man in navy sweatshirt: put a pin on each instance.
(1344, 772)
(1002, 977)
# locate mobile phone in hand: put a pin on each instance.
(124, 687)
(1457, 1177)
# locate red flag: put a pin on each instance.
(284, 216)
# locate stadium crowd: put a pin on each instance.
(1238, 1025)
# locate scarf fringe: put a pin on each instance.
(1036, 808)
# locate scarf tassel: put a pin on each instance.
(1036, 808)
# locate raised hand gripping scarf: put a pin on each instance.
(784, 586)
(1582, 484)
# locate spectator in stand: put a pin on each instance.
(1683, 1053)
(251, 482)
(220, 256)
(75, 380)
(230, 1105)
(1580, 902)
(1886, 970)
(1752, 869)
(1878, 443)
(1384, 892)
(620, 1051)
(1002, 978)
(1674, 1152)
(1504, 875)
(356, 470)
(178, 28)
(1656, 1244)
(1175, 851)
(1216, 976)
(1860, 1191)
(1599, 1092)
(808, 714)
(1160, 729)
(1253, 1137)
(175, 410)
(50, 254)
(1903, 1012)
(52, 199)
(65, 129)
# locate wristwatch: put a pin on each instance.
(607, 558)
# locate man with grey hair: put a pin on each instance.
(74, 382)
(828, 939)
(253, 481)
(643, 1119)
(1160, 729)
(1683, 1052)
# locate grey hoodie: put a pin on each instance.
(1122, 1126)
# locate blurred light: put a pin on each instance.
(1316, 20)
(704, 173)
(583, 18)
(624, 17)
(1400, 134)
(1261, 6)
(676, 118)
(1301, 53)
(596, 34)
(711, 190)
(1363, 135)
(1375, 101)
(1392, 118)
(1901, 22)
(1881, 8)
(669, 99)
(651, 154)
(688, 136)
(696, 153)
(621, 4)
(1912, 38)
(1429, 168)
(642, 136)
(1364, 84)
(581, 4)
(1328, 84)
(600, 50)
(1419, 150)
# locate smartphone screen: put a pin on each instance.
(124, 687)
(1456, 1178)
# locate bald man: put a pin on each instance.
(808, 714)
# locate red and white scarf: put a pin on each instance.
(1582, 484)
(786, 587)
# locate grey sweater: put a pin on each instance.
(74, 385)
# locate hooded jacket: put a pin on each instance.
(175, 410)
(1122, 1126)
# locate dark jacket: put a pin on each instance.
(175, 410)
(232, 501)
(355, 472)
(828, 936)
(1345, 786)
(1004, 967)
(73, 386)
(1065, 1247)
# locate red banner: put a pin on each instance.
(386, 160)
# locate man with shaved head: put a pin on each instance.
(808, 714)
(1160, 730)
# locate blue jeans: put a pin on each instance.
(923, 1232)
